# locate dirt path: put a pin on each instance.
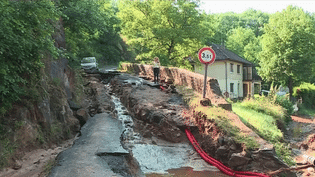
(36, 163)
(301, 135)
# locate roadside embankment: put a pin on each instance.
(182, 77)
(220, 132)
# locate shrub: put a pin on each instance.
(307, 92)
(286, 104)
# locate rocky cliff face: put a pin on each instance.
(48, 119)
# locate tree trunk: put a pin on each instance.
(290, 85)
(171, 46)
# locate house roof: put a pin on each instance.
(224, 54)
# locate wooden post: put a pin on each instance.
(205, 81)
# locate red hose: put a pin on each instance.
(219, 165)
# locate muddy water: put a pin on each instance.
(160, 158)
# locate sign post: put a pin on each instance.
(206, 56)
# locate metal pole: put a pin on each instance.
(205, 81)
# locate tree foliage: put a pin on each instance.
(239, 38)
(288, 47)
(25, 32)
(224, 24)
(240, 33)
(90, 29)
(170, 30)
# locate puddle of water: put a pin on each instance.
(187, 172)
(158, 159)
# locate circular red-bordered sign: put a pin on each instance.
(206, 55)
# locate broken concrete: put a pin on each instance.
(100, 136)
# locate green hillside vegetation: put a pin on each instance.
(267, 119)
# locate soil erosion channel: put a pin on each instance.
(115, 143)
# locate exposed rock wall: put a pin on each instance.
(184, 78)
(49, 119)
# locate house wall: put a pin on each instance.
(217, 71)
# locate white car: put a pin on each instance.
(89, 64)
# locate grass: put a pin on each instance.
(7, 148)
(297, 131)
(265, 126)
(264, 105)
(220, 117)
(305, 111)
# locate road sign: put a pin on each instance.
(206, 55)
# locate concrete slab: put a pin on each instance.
(152, 84)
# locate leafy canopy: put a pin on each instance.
(90, 27)
(224, 23)
(288, 47)
(25, 32)
(170, 30)
(242, 41)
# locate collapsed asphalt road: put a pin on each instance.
(98, 151)
(109, 146)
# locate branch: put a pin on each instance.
(171, 24)
(288, 169)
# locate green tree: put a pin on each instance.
(224, 23)
(170, 30)
(254, 20)
(91, 29)
(288, 47)
(239, 38)
(25, 32)
(252, 50)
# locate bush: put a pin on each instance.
(286, 104)
(307, 92)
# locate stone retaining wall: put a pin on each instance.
(184, 78)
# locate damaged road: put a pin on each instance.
(98, 151)
(115, 143)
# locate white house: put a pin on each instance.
(234, 74)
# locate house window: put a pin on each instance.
(238, 69)
(232, 67)
(232, 87)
